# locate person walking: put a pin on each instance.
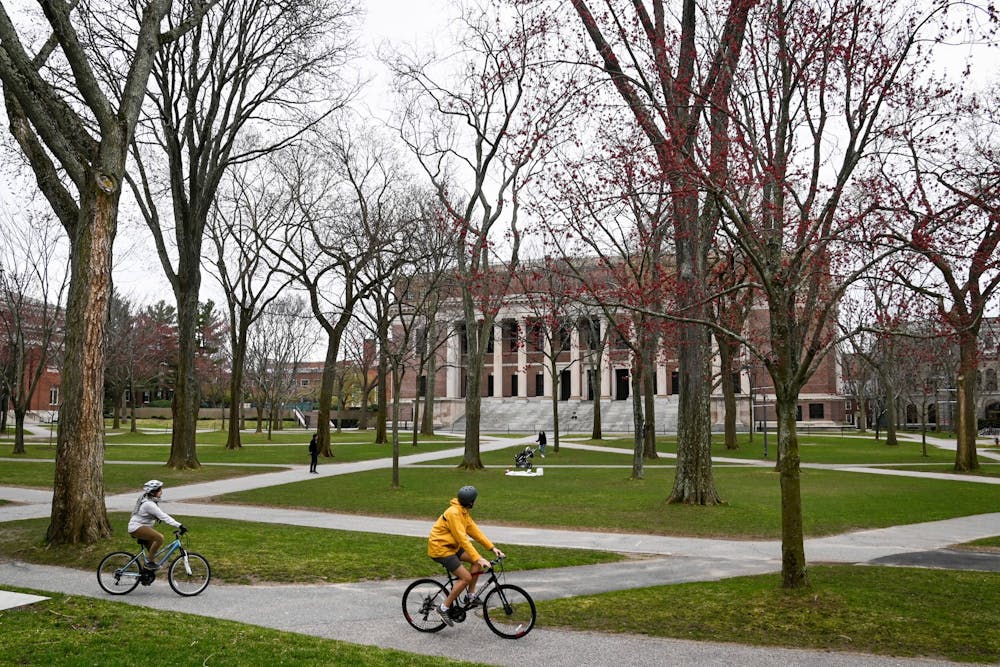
(541, 443)
(314, 453)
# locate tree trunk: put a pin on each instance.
(427, 424)
(793, 554)
(78, 511)
(966, 431)
(596, 432)
(473, 407)
(638, 424)
(728, 391)
(382, 392)
(233, 439)
(694, 483)
(326, 395)
(19, 415)
(183, 455)
(890, 414)
(649, 413)
(131, 391)
(556, 381)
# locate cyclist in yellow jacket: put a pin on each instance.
(449, 544)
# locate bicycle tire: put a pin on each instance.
(509, 611)
(118, 573)
(191, 579)
(419, 602)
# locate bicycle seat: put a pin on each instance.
(142, 543)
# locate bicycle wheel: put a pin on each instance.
(419, 602)
(509, 611)
(189, 574)
(118, 573)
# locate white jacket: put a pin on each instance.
(147, 513)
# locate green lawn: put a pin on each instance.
(891, 611)
(605, 499)
(78, 630)
(119, 478)
(243, 552)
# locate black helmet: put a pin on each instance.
(467, 496)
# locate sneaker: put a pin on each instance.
(150, 565)
(471, 602)
(443, 613)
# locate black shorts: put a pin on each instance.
(452, 562)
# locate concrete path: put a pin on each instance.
(369, 612)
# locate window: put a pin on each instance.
(422, 386)
(798, 413)
(421, 342)
(590, 333)
(565, 336)
(815, 411)
(675, 382)
(510, 334)
(991, 379)
(489, 385)
(539, 385)
(737, 384)
(303, 383)
(537, 336)
(53, 395)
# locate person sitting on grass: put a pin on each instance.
(449, 544)
(147, 512)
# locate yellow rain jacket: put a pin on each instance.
(452, 531)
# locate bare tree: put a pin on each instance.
(33, 280)
(480, 132)
(280, 339)
(945, 201)
(75, 136)
(336, 232)
(246, 82)
(247, 216)
(672, 80)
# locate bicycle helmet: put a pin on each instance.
(467, 496)
(152, 485)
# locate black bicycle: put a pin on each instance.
(507, 609)
(189, 573)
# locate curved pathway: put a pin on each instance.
(368, 612)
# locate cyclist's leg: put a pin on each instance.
(154, 538)
(462, 576)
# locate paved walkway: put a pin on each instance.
(368, 612)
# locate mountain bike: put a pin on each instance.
(120, 572)
(507, 609)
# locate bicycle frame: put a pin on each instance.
(161, 556)
(507, 609)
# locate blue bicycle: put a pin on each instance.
(120, 572)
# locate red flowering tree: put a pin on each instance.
(946, 201)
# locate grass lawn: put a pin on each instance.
(101, 632)
(276, 454)
(119, 478)
(243, 552)
(889, 611)
(605, 499)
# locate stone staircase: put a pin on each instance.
(524, 415)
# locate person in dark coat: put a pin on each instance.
(314, 453)
(541, 443)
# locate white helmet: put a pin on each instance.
(152, 485)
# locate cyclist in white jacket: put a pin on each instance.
(147, 512)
